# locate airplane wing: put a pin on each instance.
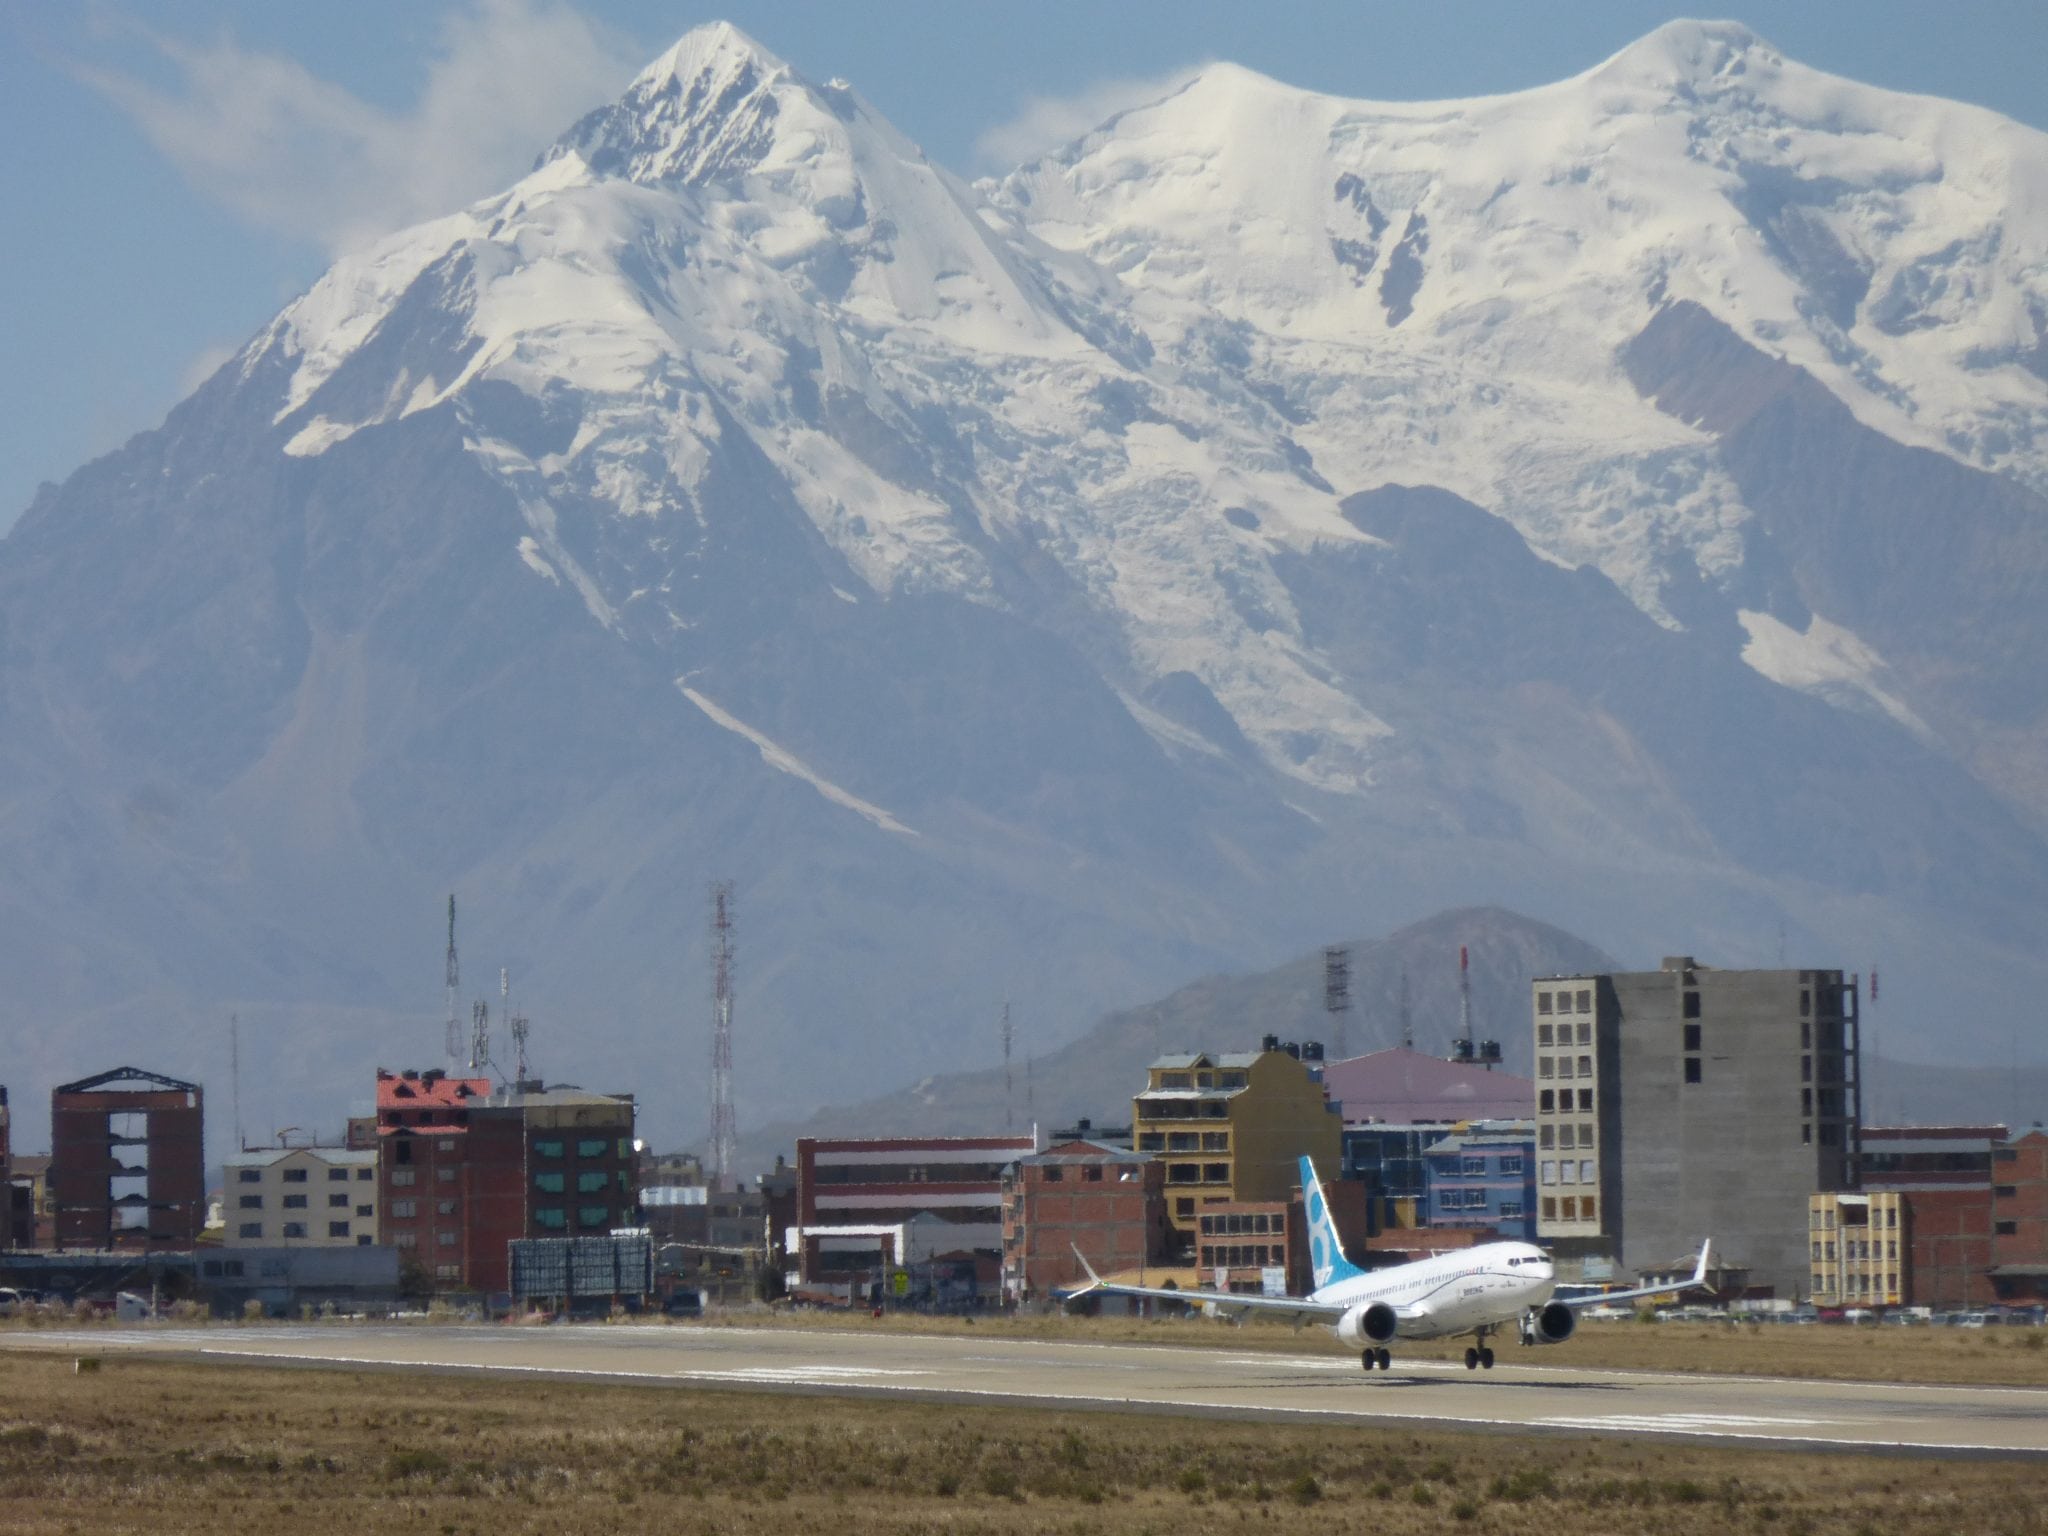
(1607, 1298)
(1296, 1308)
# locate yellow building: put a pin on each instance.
(315, 1197)
(1859, 1257)
(1230, 1127)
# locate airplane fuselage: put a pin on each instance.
(1452, 1293)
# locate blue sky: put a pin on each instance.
(172, 175)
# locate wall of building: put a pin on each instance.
(1109, 1205)
(313, 1197)
(100, 1203)
(2019, 1220)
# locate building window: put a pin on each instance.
(404, 1210)
(1806, 1135)
(1546, 1102)
(446, 1207)
(447, 1271)
(2005, 1228)
(1545, 1067)
(1549, 1208)
(1548, 1173)
(404, 1240)
(337, 1175)
(294, 1229)
(249, 1175)
(549, 1183)
(364, 1175)
(1567, 1170)
(445, 1239)
(2004, 1191)
(1692, 1037)
(596, 1183)
(1216, 1173)
(1806, 1069)
(1586, 1134)
(1543, 1002)
(1589, 1208)
(593, 1215)
(1692, 1069)
(1184, 1206)
(1585, 1066)
(1692, 1005)
(1805, 1002)
(1564, 1137)
(1152, 1141)
(1511, 1210)
(337, 1229)
(252, 1202)
(550, 1216)
(1511, 1162)
(295, 1202)
(445, 1175)
(591, 1147)
(1543, 1035)
(1052, 1176)
(338, 1202)
(1585, 1033)
(294, 1175)
(1585, 1101)
(1830, 1135)
(402, 1178)
(1585, 1002)
(363, 1240)
(1586, 1171)
(1473, 1167)
(366, 1210)
(251, 1229)
(1569, 1208)
(1546, 1137)
(547, 1149)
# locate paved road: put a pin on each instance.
(1554, 1397)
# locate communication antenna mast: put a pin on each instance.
(453, 1043)
(520, 1026)
(724, 1124)
(1337, 997)
(1464, 1004)
(235, 1068)
(479, 1036)
(1009, 1120)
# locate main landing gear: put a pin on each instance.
(1377, 1357)
(1480, 1354)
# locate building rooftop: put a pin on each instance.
(263, 1157)
(417, 1090)
(1407, 1087)
(1086, 1152)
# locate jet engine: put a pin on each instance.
(1552, 1325)
(1370, 1322)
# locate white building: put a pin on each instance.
(301, 1196)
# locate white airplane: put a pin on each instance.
(1474, 1290)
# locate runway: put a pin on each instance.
(1548, 1398)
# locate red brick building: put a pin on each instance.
(1105, 1201)
(465, 1170)
(1239, 1244)
(127, 1163)
(865, 1205)
(1943, 1176)
(2019, 1221)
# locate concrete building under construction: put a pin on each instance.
(127, 1162)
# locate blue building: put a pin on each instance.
(1484, 1176)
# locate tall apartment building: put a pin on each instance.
(127, 1165)
(1859, 1253)
(1230, 1127)
(464, 1169)
(1687, 1102)
(300, 1197)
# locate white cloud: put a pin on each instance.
(203, 367)
(290, 152)
(1046, 123)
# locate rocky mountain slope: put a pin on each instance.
(1270, 516)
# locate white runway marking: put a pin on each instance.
(1685, 1423)
(800, 1375)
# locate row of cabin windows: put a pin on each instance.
(1571, 1208)
(1580, 1001)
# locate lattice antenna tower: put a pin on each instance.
(479, 1036)
(724, 1124)
(1009, 1120)
(452, 1044)
(520, 1027)
(1465, 999)
(1337, 997)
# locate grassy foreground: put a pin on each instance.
(170, 1447)
(2003, 1357)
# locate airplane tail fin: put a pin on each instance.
(1326, 1250)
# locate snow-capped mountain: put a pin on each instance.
(1621, 500)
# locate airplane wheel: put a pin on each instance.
(1369, 1359)
(1386, 1361)
(1471, 1359)
(1486, 1358)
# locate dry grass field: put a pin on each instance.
(1995, 1356)
(171, 1447)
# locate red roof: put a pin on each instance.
(1402, 1087)
(427, 1090)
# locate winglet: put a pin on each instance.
(1089, 1269)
